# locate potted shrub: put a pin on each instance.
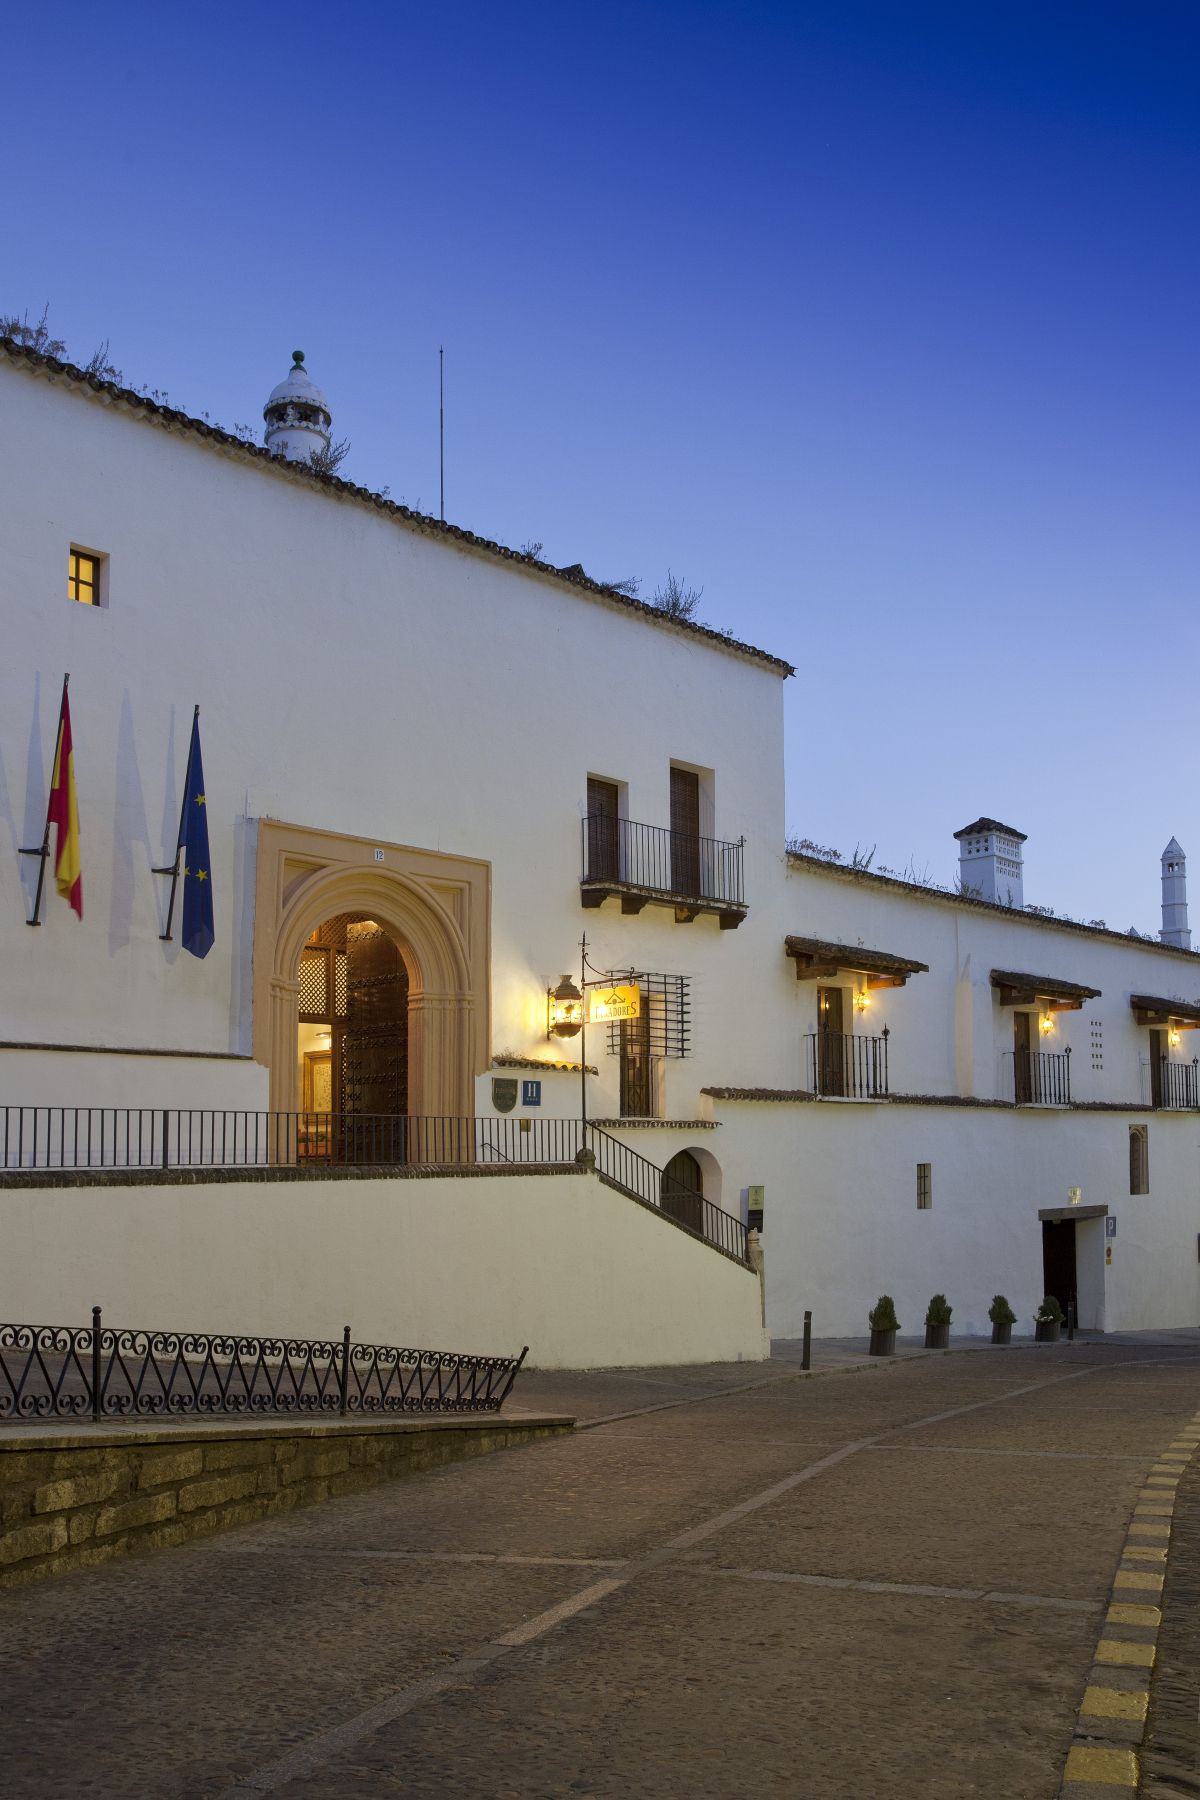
(937, 1323)
(1047, 1321)
(882, 1320)
(1003, 1319)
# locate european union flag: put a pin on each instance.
(197, 871)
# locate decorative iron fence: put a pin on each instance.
(116, 1138)
(847, 1066)
(65, 1371)
(1039, 1077)
(1174, 1086)
(669, 862)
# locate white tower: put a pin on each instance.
(297, 416)
(1174, 897)
(990, 862)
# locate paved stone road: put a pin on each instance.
(879, 1583)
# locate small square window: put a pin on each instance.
(83, 577)
(924, 1186)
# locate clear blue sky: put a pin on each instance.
(877, 321)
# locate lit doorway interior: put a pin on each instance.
(352, 1035)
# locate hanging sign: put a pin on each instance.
(618, 1002)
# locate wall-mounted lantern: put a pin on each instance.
(564, 1010)
(862, 1000)
(1047, 1023)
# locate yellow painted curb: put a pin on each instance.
(1138, 1578)
(1154, 1509)
(1114, 1703)
(1127, 1612)
(1112, 1768)
(1116, 1650)
(1146, 1552)
(1149, 1528)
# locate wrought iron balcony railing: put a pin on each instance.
(842, 1065)
(64, 1138)
(1174, 1086)
(1039, 1077)
(647, 861)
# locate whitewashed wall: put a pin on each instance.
(562, 1263)
(356, 675)
(842, 1224)
(352, 674)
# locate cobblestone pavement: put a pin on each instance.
(881, 1582)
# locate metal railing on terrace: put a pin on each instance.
(636, 1175)
(845, 1065)
(628, 854)
(66, 1138)
(67, 1371)
(1175, 1086)
(1037, 1077)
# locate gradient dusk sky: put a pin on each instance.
(877, 321)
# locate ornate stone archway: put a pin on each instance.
(436, 909)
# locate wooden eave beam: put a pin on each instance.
(1162, 1015)
(886, 981)
(807, 970)
(1010, 996)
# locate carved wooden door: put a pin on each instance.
(375, 1045)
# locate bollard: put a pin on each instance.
(95, 1365)
(806, 1358)
(344, 1377)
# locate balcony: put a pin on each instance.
(1038, 1077)
(845, 1066)
(1174, 1086)
(649, 864)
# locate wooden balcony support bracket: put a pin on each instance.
(686, 907)
(1042, 991)
(817, 960)
(1176, 1015)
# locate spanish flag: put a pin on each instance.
(64, 812)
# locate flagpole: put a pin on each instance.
(172, 869)
(44, 851)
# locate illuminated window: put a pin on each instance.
(83, 578)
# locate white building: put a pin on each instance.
(430, 764)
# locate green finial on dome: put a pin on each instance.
(298, 358)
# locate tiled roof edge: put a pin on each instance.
(349, 490)
(1019, 914)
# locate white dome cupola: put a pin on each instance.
(297, 416)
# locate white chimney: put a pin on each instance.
(297, 416)
(1174, 898)
(990, 862)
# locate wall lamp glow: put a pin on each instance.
(862, 1000)
(1047, 1023)
(564, 1010)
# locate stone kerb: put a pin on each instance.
(71, 1497)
